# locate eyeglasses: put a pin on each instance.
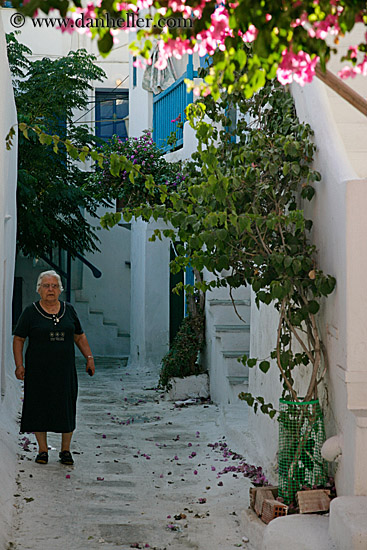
(47, 285)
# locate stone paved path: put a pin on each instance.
(143, 475)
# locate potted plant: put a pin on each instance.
(181, 373)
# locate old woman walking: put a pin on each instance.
(50, 380)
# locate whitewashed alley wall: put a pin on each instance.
(9, 387)
(110, 294)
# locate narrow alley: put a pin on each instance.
(147, 474)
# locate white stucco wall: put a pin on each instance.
(264, 322)
(149, 296)
(110, 293)
(9, 387)
(340, 226)
(140, 101)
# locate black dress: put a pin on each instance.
(50, 382)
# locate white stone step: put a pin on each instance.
(301, 531)
(234, 368)
(232, 328)
(235, 388)
(223, 311)
(103, 334)
(233, 337)
(348, 522)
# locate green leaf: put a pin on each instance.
(313, 307)
(251, 363)
(288, 261)
(296, 266)
(105, 43)
(264, 366)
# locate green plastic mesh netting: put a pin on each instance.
(301, 435)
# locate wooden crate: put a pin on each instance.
(313, 500)
(253, 491)
(273, 509)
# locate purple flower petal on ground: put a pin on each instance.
(100, 478)
(213, 468)
(104, 436)
(195, 472)
(67, 476)
(189, 444)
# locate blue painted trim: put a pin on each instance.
(168, 105)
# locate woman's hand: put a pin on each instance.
(90, 366)
(20, 372)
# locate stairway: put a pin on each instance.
(228, 339)
(104, 336)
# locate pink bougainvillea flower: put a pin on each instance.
(353, 51)
(321, 29)
(69, 27)
(250, 35)
(352, 72)
(298, 67)
(213, 468)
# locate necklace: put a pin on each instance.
(53, 316)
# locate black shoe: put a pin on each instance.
(42, 458)
(66, 458)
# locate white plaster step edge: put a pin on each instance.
(232, 328)
(301, 531)
(348, 525)
(237, 380)
(218, 302)
(234, 353)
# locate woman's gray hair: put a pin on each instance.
(50, 273)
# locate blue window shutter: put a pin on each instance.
(112, 107)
